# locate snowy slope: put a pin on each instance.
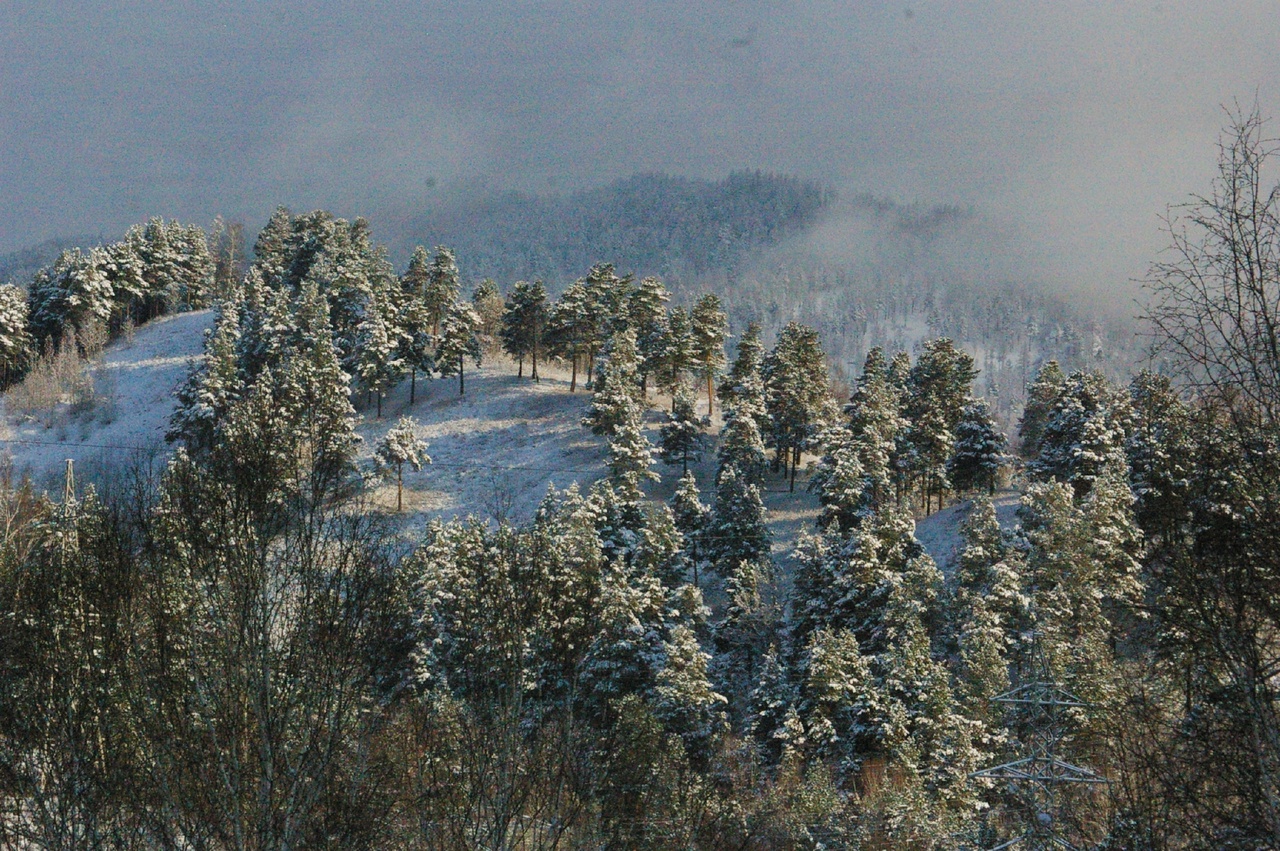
(939, 533)
(135, 382)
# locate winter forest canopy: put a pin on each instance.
(728, 636)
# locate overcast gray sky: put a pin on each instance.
(1067, 125)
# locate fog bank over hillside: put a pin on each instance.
(1077, 124)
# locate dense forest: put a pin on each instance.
(235, 649)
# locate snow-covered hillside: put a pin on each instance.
(495, 450)
(134, 383)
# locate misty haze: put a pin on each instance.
(584, 426)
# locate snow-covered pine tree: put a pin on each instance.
(937, 387)
(524, 321)
(796, 394)
(690, 515)
(16, 347)
(630, 455)
(979, 451)
(736, 532)
(569, 329)
(677, 355)
(486, 298)
(212, 385)
(379, 365)
(1042, 395)
(1086, 429)
(617, 389)
(319, 400)
(710, 329)
(876, 424)
(647, 316)
(458, 342)
(773, 703)
(271, 248)
(441, 287)
(605, 301)
(681, 435)
(840, 702)
(840, 481)
(74, 292)
(401, 446)
(416, 345)
(683, 698)
(745, 368)
(1160, 450)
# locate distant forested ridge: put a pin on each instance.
(648, 224)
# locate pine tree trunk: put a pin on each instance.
(413, 383)
(379, 405)
(795, 462)
(534, 375)
(520, 367)
(573, 379)
(399, 488)
(710, 396)
(462, 365)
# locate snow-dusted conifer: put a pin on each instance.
(647, 316)
(677, 354)
(682, 434)
(401, 446)
(379, 365)
(710, 329)
(772, 704)
(524, 322)
(683, 697)
(736, 532)
(486, 298)
(458, 342)
(439, 292)
(690, 515)
(16, 347)
(796, 394)
(618, 387)
(1042, 395)
(1086, 429)
(840, 481)
(1160, 455)
(569, 329)
(979, 451)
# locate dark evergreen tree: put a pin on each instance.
(441, 288)
(681, 435)
(710, 328)
(937, 387)
(979, 450)
(569, 329)
(1042, 394)
(647, 316)
(797, 395)
(458, 341)
(16, 346)
(677, 355)
(524, 320)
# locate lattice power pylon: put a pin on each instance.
(1038, 778)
